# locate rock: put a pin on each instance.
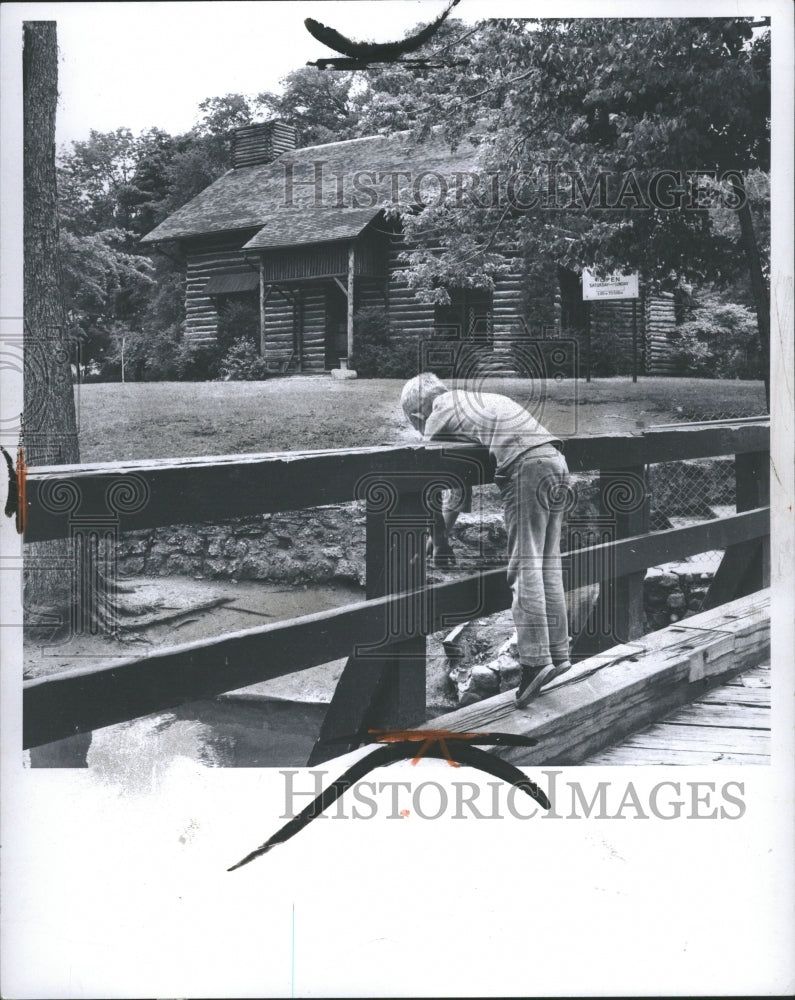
(133, 566)
(676, 601)
(485, 677)
(460, 678)
(474, 682)
(657, 620)
(182, 565)
(510, 671)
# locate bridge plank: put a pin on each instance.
(718, 740)
(734, 716)
(632, 755)
(731, 695)
(601, 702)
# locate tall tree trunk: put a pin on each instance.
(54, 595)
(758, 284)
(49, 420)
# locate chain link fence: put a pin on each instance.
(685, 493)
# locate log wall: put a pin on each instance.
(410, 318)
(660, 320)
(206, 257)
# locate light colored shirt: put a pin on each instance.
(487, 418)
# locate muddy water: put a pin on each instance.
(267, 725)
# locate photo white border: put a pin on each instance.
(111, 892)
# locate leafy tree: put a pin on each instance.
(321, 105)
(92, 179)
(571, 101)
(716, 339)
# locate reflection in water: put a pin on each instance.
(217, 733)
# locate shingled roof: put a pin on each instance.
(293, 227)
(260, 196)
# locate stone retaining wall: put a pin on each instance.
(314, 546)
(327, 544)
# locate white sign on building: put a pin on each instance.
(614, 286)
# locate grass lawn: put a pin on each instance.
(142, 420)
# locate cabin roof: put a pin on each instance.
(260, 196)
(289, 227)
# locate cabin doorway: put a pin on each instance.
(336, 326)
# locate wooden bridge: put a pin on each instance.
(623, 680)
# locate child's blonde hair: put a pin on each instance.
(418, 396)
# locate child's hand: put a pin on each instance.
(440, 552)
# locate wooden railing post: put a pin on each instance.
(618, 614)
(383, 685)
(396, 562)
(752, 482)
(745, 567)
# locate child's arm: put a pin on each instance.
(454, 502)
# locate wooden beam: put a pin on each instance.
(351, 269)
(604, 699)
(99, 695)
(388, 692)
(619, 614)
(221, 487)
(343, 288)
(216, 487)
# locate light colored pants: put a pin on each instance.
(535, 495)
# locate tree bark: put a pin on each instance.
(758, 284)
(66, 585)
(49, 419)
(50, 425)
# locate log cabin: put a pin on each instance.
(301, 238)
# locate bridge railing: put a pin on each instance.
(383, 683)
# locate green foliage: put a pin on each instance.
(677, 94)
(242, 363)
(136, 355)
(319, 104)
(377, 352)
(718, 340)
(198, 362)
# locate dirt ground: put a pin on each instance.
(179, 419)
(185, 610)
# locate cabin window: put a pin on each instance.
(467, 317)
